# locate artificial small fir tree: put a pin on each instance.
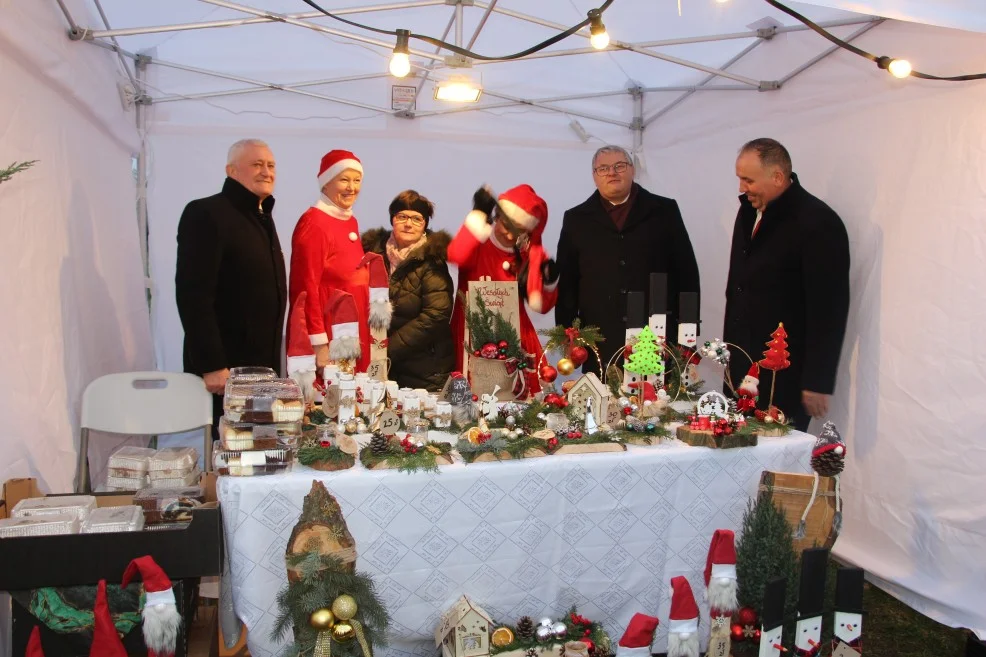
(645, 359)
(775, 358)
(765, 551)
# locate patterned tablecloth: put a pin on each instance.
(605, 532)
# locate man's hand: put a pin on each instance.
(321, 356)
(483, 201)
(815, 403)
(549, 271)
(215, 382)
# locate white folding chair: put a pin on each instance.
(148, 403)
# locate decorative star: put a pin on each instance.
(720, 621)
(749, 631)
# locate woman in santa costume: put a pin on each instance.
(326, 257)
(500, 240)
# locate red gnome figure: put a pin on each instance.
(747, 393)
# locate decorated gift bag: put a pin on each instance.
(493, 352)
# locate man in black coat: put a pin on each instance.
(230, 283)
(789, 264)
(609, 246)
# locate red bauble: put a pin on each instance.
(489, 350)
(548, 373)
(747, 616)
(756, 636)
(503, 344)
(578, 355)
(502, 357)
(476, 353)
(736, 631)
(589, 644)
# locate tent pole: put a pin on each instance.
(804, 67)
(438, 49)
(513, 102)
(482, 23)
(637, 125)
(123, 62)
(72, 25)
(234, 22)
(458, 24)
(141, 120)
(253, 90)
(670, 106)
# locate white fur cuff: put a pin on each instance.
(534, 300)
(298, 364)
(319, 338)
(477, 225)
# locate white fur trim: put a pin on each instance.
(477, 225)
(328, 207)
(518, 214)
(161, 627)
(381, 310)
(319, 338)
(642, 651)
(298, 364)
(682, 626)
(337, 168)
(723, 570)
(160, 597)
(678, 647)
(378, 294)
(534, 300)
(345, 346)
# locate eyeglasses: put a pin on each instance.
(619, 167)
(414, 220)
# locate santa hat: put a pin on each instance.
(381, 309)
(334, 163)
(720, 565)
(829, 440)
(161, 618)
(341, 315)
(751, 379)
(683, 620)
(105, 641)
(638, 637)
(34, 644)
(524, 207)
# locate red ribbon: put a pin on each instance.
(380, 343)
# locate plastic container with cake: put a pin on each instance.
(251, 462)
(264, 402)
(169, 504)
(249, 374)
(240, 436)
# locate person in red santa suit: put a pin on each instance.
(500, 240)
(326, 255)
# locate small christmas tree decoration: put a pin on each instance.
(525, 628)
(764, 551)
(775, 358)
(646, 359)
(828, 459)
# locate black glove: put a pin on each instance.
(549, 271)
(483, 201)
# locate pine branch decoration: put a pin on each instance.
(16, 167)
(486, 326)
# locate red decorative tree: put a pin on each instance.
(776, 356)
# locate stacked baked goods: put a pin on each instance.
(260, 427)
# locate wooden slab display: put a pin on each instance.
(488, 457)
(332, 466)
(791, 491)
(440, 459)
(654, 440)
(550, 650)
(322, 520)
(697, 438)
(591, 448)
(772, 433)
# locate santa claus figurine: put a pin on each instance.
(746, 394)
(162, 621)
(500, 240)
(720, 574)
(683, 620)
(326, 257)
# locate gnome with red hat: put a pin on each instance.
(720, 589)
(683, 620)
(162, 621)
(747, 392)
(326, 257)
(500, 240)
(639, 636)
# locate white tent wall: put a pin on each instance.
(903, 164)
(72, 287)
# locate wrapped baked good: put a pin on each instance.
(177, 480)
(239, 436)
(129, 462)
(264, 402)
(126, 483)
(42, 525)
(78, 505)
(169, 504)
(250, 374)
(172, 463)
(128, 518)
(250, 463)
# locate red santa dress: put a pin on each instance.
(326, 252)
(480, 256)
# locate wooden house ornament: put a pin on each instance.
(589, 387)
(464, 630)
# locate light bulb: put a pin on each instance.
(722, 2)
(400, 65)
(899, 68)
(600, 40)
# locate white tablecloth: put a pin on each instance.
(605, 532)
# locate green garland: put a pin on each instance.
(323, 579)
(576, 632)
(317, 453)
(16, 167)
(424, 460)
(486, 326)
(516, 447)
(589, 336)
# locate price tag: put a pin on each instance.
(842, 650)
(377, 370)
(389, 423)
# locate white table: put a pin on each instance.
(605, 532)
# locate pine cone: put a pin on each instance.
(828, 464)
(525, 628)
(379, 444)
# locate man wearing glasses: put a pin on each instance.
(609, 246)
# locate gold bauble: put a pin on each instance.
(565, 366)
(344, 607)
(322, 619)
(343, 632)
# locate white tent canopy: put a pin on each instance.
(901, 161)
